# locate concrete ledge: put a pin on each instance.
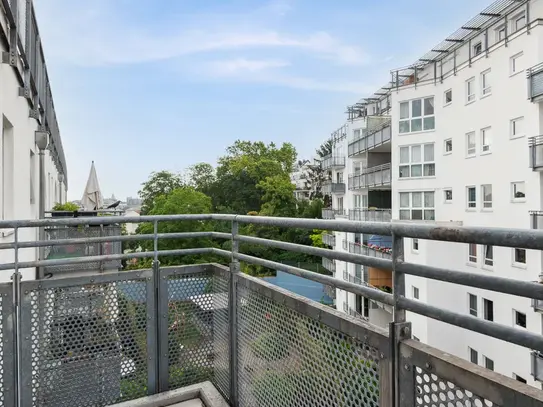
(205, 391)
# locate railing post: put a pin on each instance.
(16, 278)
(232, 316)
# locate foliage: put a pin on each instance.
(316, 238)
(67, 207)
(159, 184)
(270, 346)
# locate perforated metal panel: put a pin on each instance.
(221, 330)
(288, 359)
(190, 328)
(433, 391)
(85, 341)
(7, 349)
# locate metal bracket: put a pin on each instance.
(9, 58)
(24, 92)
(34, 114)
(398, 331)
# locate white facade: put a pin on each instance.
(19, 155)
(459, 153)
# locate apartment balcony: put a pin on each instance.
(330, 187)
(329, 265)
(378, 177)
(537, 305)
(331, 213)
(329, 239)
(535, 148)
(536, 219)
(535, 83)
(359, 248)
(370, 215)
(211, 334)
(375, 138)
(380, 278)
(330, 291)
(332, 162)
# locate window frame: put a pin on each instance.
(471, 205)
(446, 199)
(473, 311)
(477, 46)
(450, 93)
(486, 204)
(472, 255)
(516, 315)
(499, 30)
(486, 360)
(487, 131)
(472, 353)
(446, 143)
(423, 209)
(471, 151)
(488, 309)
(513, 126)
(422, 163)
(488, 256)
(470, 86)
(516, 263)
(515, 19)
(415, 245)
(415, 292)
(514, 191)
(423, 116)
(513, 61)
(485, 77)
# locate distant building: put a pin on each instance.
(131, 227)
(131, 202)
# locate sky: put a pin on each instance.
(150, 85)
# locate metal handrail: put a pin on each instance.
(514, 238)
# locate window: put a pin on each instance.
(417, 161)
(33, 177)
(515, 64)
(489, 363)
(517, 127)
(471, 144)
(486, 192)
(471, 197)
(520, 319)
(472, 304)
(448, 97)
(519, 256)
(472, 253)
(519, 379)
(473, 356)
(448, 146)
(470, 90)
(477, 49)
(488, 309)
(486, 140)
(500, 33)
(519, 22)
(417, 206)
(340, 204)
(415, 246)
(448, 195)
(489, 255)
(415, 292)
(417, 115)
(486, 88)
(518, 191)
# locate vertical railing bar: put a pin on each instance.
(16, 320)
(232, 314)
(397, 276)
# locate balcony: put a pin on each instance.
(329, 239)
(370, 215)
(332, 161)
(535, 148)
(331, 213)
(359, 248)
(210, 332)
(537, 305)
(376, 135)
(536, 220)
(535, 82)
(329, 265)
(373, 177)
(330, 187)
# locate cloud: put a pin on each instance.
(242, 66)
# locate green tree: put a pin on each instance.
(202, 177)
(159, 184)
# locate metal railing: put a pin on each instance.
(331, 213)
(332, 161)
(377, 176)
(535, 81)
(330, 187)
(380, 133)
(329, 264)
(535, 147)
(329, 239)
(536, 219)
(359, 248)
(370, 215)
(103, 338)
(25, 55)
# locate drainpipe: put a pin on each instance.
(42, 141)
(60, 183)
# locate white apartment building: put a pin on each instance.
(453, 138)
(28, 122)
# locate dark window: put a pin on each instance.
(488, 309)
(473, 305)
(473, 356)
(489, 363)
(520, 319)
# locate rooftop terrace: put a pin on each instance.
(105, 337)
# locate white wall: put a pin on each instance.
(506, 163)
